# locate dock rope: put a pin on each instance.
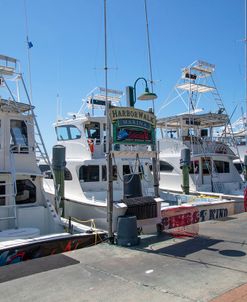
(93, 228)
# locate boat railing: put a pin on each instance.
(18, 148)
(170, 145)
(202, 146)
(196, 144)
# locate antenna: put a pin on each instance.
(29, 46)
(149, 50)
(154, 159)
(59, 111)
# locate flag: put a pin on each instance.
(30, 44)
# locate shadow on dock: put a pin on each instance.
(39, 265)
(168, 245)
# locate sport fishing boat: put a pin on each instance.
(29, 224)
(212, 167)
(84, 136)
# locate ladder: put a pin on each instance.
(222, 109)
(10, 192)
(8, 67)
(41, 152)
(11, 208)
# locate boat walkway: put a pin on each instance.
(209, 267)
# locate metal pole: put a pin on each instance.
(108, 144)
(153, 146)
(149, 50)
(155, 158)
(155, 170)
(146, 86)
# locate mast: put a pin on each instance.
(108, 141)
(155, 158)
(149, 50)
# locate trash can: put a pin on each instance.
(127, 234)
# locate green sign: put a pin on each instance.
(132, 126)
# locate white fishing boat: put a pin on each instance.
(84, 136)
(29, 224)
(211, 167)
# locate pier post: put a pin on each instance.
(184, 165)
(58, 165)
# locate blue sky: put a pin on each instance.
(68, 53)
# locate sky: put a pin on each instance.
(67, 57)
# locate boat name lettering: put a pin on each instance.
(191, 216)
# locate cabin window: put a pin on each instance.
(46, 171)
(67, 174)
(89, 173)
(165, 166)
(204, 132)
(26, 191)
(75, 133)
(2, 192)
(103, 174)
(114, 173)
(67, 132)
(206, 166)
(43, 168)
(239, 167)
(222, 166)
(18, 136)
(93, 130)
(194, 167)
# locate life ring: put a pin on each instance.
(245, 199)
(91, 145)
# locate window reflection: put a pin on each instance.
(18, 136)
(67, 132)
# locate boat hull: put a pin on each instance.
(22, 250)
(86, 213)
(200, 211)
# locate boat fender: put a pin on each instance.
(91, 145)
(245, 199)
